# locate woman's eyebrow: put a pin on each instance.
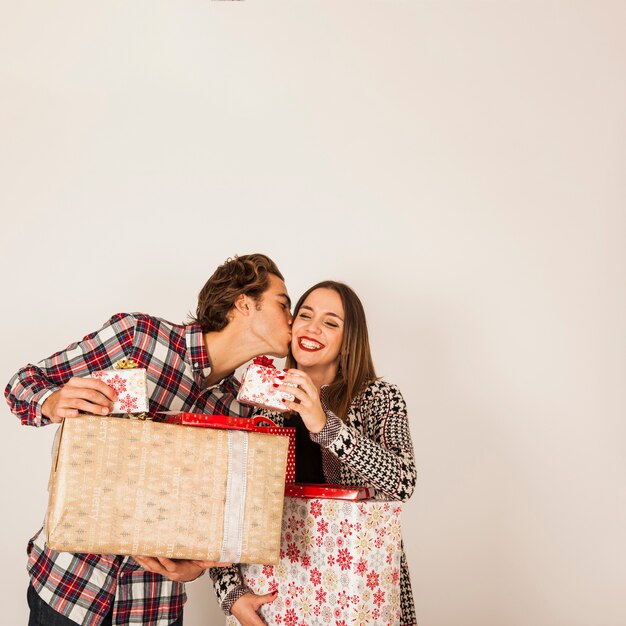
(306, 306)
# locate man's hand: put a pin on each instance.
(180, 570)
(245, 609)
(88, 395)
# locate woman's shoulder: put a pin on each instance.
(379, 389)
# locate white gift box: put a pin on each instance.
(257, 386)
(131, 387)
(340, 565)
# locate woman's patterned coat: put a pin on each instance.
(372, 448)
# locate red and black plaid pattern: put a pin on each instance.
(84, 587)
(173, 355)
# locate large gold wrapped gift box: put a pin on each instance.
(135, 487)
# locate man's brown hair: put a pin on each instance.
(356, 368)
(247, 274)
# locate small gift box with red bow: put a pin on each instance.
(130, 383)
(257, 386)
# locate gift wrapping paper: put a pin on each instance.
(257, 424)
(131, 388)
(257, 387)
(135, 487)
(339, 565)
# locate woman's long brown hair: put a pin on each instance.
(356, 368)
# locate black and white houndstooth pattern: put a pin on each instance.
(371, 448)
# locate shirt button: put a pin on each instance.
(196, 364)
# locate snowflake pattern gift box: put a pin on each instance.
(131, 388)
(339, 565)
(123, 486)
(257, 386)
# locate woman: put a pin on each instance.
(352, 428)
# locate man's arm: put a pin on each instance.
(86, 395)
(56, 388)
(180, 570)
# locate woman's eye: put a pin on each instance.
(304, 316)
(332, 324)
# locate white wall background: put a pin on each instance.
(460, 164)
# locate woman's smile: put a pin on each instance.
(309, 345)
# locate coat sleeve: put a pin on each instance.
(29, 388)
(384, 455)
(229, 586)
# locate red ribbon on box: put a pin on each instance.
(264, 361)
(257, 389)
(254, 424)
(330, 492)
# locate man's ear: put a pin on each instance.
(242, 304)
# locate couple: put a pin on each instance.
(355, 433)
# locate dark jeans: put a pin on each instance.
(42, 615)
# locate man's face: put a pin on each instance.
(271, 320)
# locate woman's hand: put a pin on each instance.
(246, 607)
(308, 399)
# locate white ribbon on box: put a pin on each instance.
(236, 485)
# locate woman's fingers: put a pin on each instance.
(296, 377)
(301, 394)
(291, 405)
(265, 599)
(245, 608)
(306, 399)
(304, 387)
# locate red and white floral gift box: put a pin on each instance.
(257, 386)
(131, 387)
(339, 565)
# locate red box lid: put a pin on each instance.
(331, 492)
(221, 421)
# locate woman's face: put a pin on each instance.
(317, 329)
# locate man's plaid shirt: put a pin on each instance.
(84, 587)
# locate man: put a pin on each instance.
(243, 311)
